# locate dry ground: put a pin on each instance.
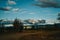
(32, 35)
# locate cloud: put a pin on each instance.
(11, 2)
(8, 7)
(24, 11)
(48, 3)
(50, 21)
(52, 14)
(6, 11)
(32, 13)
(15, 9)
(18, 10)
(5, 8)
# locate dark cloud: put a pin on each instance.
(4, 9)
(48, 3)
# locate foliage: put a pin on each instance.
(18, 25)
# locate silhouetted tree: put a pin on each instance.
(2, 27)
(58, 17)
(57, 25)
(33, 27)
(21, 26)
(18, 25)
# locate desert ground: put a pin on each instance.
(32, 35)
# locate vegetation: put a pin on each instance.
(49, 32)
(18, 25)
(58, 16)
(45, 32)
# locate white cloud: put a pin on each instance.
(52, 14)
(47, 11)
(8, 7)
(32, 13)
(50, 21)
(18, 10)
(11, 2)
(24, 11)
(15, 9)
(6, 11)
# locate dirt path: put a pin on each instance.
(16, 36)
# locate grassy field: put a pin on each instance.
(32, 35)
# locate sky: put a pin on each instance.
(29, 9)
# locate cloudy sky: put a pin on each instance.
(29, 9)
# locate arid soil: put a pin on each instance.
(32, 35)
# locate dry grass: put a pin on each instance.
(32, 35)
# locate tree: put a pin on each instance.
(33, 25)
(58, 17)
(57, 25)
(3, 27)
(18, 25)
